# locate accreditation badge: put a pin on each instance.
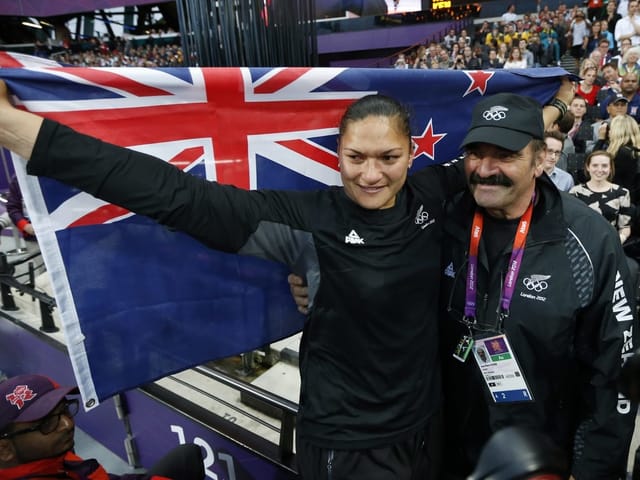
(500, 369)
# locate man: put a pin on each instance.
(510, 15)
(617, 105)
(628, 90)
(470, 60)
(610, 84)
(579, 37)
(625, 45)
(542, 284)
(550, 45)
(605, 53)
(555, 143)
(37, 437)
(628, 27)
(17, 212)
(525, 52)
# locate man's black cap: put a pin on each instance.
(507, 120)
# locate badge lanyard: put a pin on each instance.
(515, 262)
(495, 357)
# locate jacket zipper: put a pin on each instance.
(330, 464)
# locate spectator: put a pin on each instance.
(628, 90)
(526, 54)
(492, 61)
(594, 38)
(36, 437)
(578, 36)
(515, 59)
(581, 133)
(401, 62)
(611, 17)
(595, 9)
(623, 143)
(450, 38)
(625, 45)
(629, 25)
(17, 211)
(549, 42)
(587, 87)
(629, 62)
(610, 83)
(554, 141)
(510, 15)
(503, 53)
(608, 35)
(494, 37)
(608, 199)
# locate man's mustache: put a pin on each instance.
(502, 180)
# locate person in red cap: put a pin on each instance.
(37, 437)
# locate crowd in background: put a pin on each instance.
(599, 42)
(537, 39)
(156, 50)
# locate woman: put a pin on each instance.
(503, 53)
(356, 236)
(594, 37)
(629, 62)
(515, 59)
(605, 197)
(623, 145)
(587, 87)
(455, 52)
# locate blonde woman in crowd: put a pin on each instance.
(587, 87)
(624, 147)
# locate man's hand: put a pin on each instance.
(28, 229)
(299, 292)
(567, 91)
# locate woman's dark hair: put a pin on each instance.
(377, 106)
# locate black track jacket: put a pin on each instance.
(570, 335)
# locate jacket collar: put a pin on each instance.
(548, 218)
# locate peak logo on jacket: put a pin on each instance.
(353, 238)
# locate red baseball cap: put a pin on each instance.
(27, 398)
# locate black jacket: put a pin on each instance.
(570, 335)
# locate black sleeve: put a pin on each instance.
(220, 216)
(449, 178)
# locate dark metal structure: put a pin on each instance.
(248, 33)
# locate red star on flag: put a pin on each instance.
(479, 79)
(426, 142)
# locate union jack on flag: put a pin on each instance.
(139, 302)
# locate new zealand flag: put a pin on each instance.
(139, 302)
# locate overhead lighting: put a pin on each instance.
(32, 22)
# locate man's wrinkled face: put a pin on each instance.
(501, 181)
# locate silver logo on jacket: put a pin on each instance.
(536, 283)
(422, 218)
